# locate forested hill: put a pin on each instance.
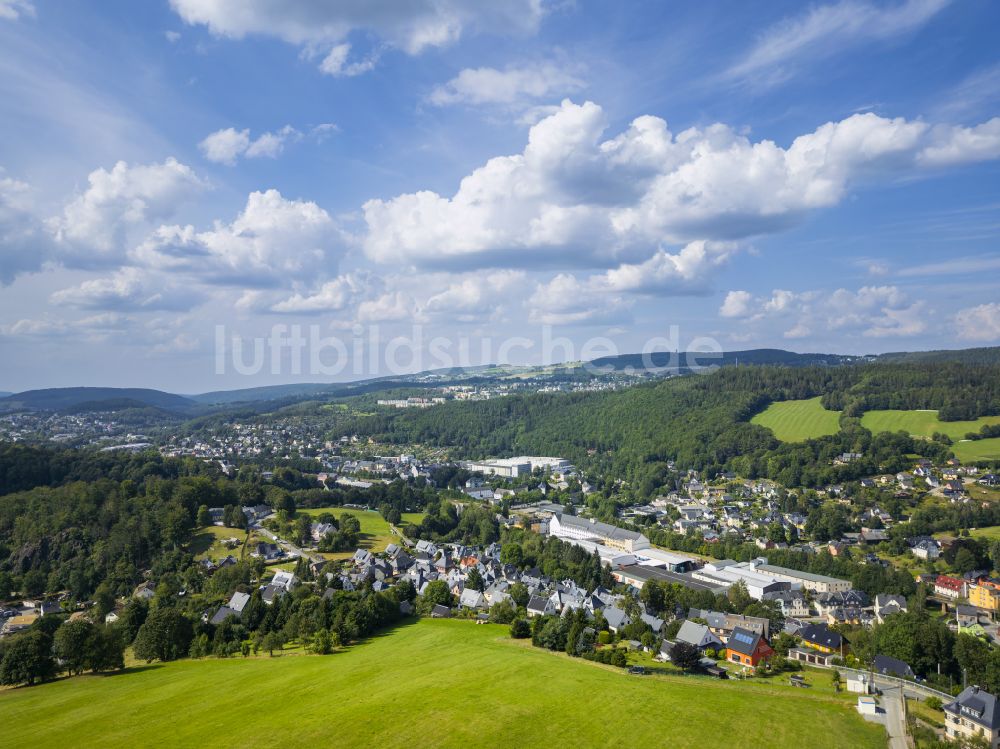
(987, 355)
(703, 421)
(693, 361)
(269, 397)
(94, 398)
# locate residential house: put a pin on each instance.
(45, 608)
(653, 622)
(792, 603)
(821, 638)
(471, 599)
(284, 579)
(540, 606)
(887, 604)
(966, 616)
(270, 593)
(985, 594)
(887, 666)
(616, 618)
(950, 587)
(698, 635)
(926, 548)
(747, 648)
(974, 713)
(145, 591)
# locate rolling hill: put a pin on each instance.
(94, 398)
(797, 420)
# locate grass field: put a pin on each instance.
(206, 543)
(921, 423)
(926, 423)
(973, 450)
(795, 421)
(437, 683)
(989, 533)
(375, 533)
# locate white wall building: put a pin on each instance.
(572, 528)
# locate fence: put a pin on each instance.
(912, 685)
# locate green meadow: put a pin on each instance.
(921, 423)
(436, 683)
(375, 531)
(926, 423)
(795, 421)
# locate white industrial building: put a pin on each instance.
(512, 468)
(729, 573)
(666, 560)
(573, 528)
(808, 580)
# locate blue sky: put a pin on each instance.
(820, 177)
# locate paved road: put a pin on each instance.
(288, 546)
(895, 724)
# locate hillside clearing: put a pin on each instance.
(973, 450)
(926, 423)
(434, 683)
(795, 421)
(921, 423)
(375, 531)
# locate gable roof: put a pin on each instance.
(222, 614)
(239, 601)
(892, 666)
(538, 603)
(949, 583)
(698, 635)
(598, 528)
(655, 623)
(615, 617)
(471, 598)
(744, 641)
(820, 634)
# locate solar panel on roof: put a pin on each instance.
(744, 638)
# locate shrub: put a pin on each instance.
(520, 629)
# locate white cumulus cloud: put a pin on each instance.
(871, 311)
(94, 226)
(25, 243)
(512, 86)
(572, 197)
(980, 323)
(272, 242)
(227, 145)
(127, 289)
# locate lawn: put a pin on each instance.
(989, 533)
(437, 683)
(795, 421)
(375, 532)
(921, 423)
(969, 451)
(206, 543)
